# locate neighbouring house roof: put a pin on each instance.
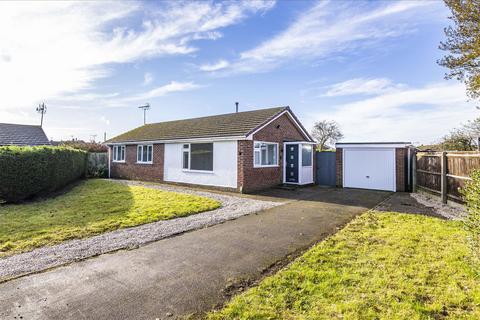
(224, 125)
(22, 135)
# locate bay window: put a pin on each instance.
(118, 153)
(144, 153)
(265, 154)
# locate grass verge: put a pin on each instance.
(381, 266)
(93, 207)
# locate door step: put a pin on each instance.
(291, 187)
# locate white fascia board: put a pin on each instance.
(372, 145)
(193, 140)
(250, 136)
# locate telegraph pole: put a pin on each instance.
(42, 109)
(145, 108)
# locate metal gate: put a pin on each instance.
(326, 168)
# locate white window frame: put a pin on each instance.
(258, 149)
(186, 147)
(123, 152)
(311, 154)
(140, 147)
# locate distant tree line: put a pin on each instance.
(82, 145)
(463, 138)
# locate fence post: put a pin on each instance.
(414, 171)
(443, 181)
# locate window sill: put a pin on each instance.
(267, 166)
(198, 171)
(151, 162)
(115, 161)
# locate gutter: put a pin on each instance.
(209, 139)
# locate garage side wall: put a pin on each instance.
(401, 169)
(339, 164)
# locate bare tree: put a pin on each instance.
(326, 132)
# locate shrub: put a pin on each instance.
(471, 194)
(97, 165)
(29, 171)
(85, 146)
(101, 171)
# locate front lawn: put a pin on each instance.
(93, 207)
(381, 266)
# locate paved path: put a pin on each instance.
(188, 273)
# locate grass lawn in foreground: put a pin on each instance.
(381, 266)
(92, 207)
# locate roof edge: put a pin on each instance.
(215, 138)
(297, 122)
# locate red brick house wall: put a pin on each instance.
(251, 179)
(136, 171)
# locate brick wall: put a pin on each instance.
(339, 165)
(133, 171)
(401, 170)
(251, 179)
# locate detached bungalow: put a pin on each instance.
(244, 151)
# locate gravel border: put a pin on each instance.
(52, 256)
(448, 211)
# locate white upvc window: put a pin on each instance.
(265, 154)
(307, 155)
(118, 153)
(197, 157)
(144, 153)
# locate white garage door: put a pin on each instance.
(369, 168)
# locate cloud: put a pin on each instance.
(171, 87)
(330, 28)
(221, 64)
(115, 100)
(53, 49)
(105, 120)
(147, 78)
(420, 115)
(361, 86)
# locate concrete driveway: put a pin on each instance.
(190, 273)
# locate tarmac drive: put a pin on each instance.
(189, 273)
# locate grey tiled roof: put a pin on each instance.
(224, 125)
(22, 135)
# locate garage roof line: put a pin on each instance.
(373, 144)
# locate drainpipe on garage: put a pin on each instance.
(109, 162)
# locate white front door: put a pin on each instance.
(369, 168)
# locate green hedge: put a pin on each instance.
(471, 194)
(29, 171)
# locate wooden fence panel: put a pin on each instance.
(462, 164)
(429, 171)
(459, 166)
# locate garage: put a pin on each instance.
(373, 165)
